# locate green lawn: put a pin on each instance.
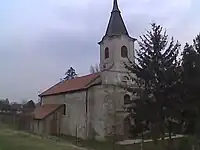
(15, 140)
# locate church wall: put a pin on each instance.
(115, 62)
(74, 122)
(96, 116)
(119, 42)
(104, 100)
(114, 45)
(114, 110)
(53, 99)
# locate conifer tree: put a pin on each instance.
(156, 72)
(191, 85)
(70, 74)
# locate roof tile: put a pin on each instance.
(43, 111)
(78, 83)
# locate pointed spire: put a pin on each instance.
(116, 24)
(115, 6)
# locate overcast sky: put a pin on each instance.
(41, 39)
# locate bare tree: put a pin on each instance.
(94, 69)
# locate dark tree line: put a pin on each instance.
(168, 83)
(5, 106)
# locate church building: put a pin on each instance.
(91, 106)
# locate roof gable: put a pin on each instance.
(78, 83)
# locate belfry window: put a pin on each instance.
(106, 52)
(127, 99)
(124, 52)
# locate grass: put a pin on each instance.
(11, 139)
(183, 143)
(95, 145)
(16, 140)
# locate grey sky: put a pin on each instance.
(41, 39)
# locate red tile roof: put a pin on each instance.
(78, 83)
(43, 111)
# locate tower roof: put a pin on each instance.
(116, 24)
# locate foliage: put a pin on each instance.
(157, 71)
(94, 69)
(191, 84)
(17, 140)
(70, 74)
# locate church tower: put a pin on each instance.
(116, 47)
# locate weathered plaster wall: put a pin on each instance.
(53, 99)
(105, 110)
(44, 127)
(38, 127)
(74, 122)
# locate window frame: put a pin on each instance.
(106, 53)
(124, 52)
(125, 99)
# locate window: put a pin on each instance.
(64, 109)
(106, 52)
(127, 99)
(124, 52)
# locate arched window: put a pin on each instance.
(127, 99)
(106, 52)
(124, 52)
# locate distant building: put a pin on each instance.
(91, 106)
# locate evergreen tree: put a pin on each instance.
(70, 74)
(197, 43)
(157, 74)
(191, 85)
(187, 92)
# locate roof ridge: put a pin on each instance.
(78, 83)
(91, 81)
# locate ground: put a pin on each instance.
(16, 140)
(11, 139)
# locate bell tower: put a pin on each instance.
(116, 47)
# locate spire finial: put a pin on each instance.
(115, 6)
